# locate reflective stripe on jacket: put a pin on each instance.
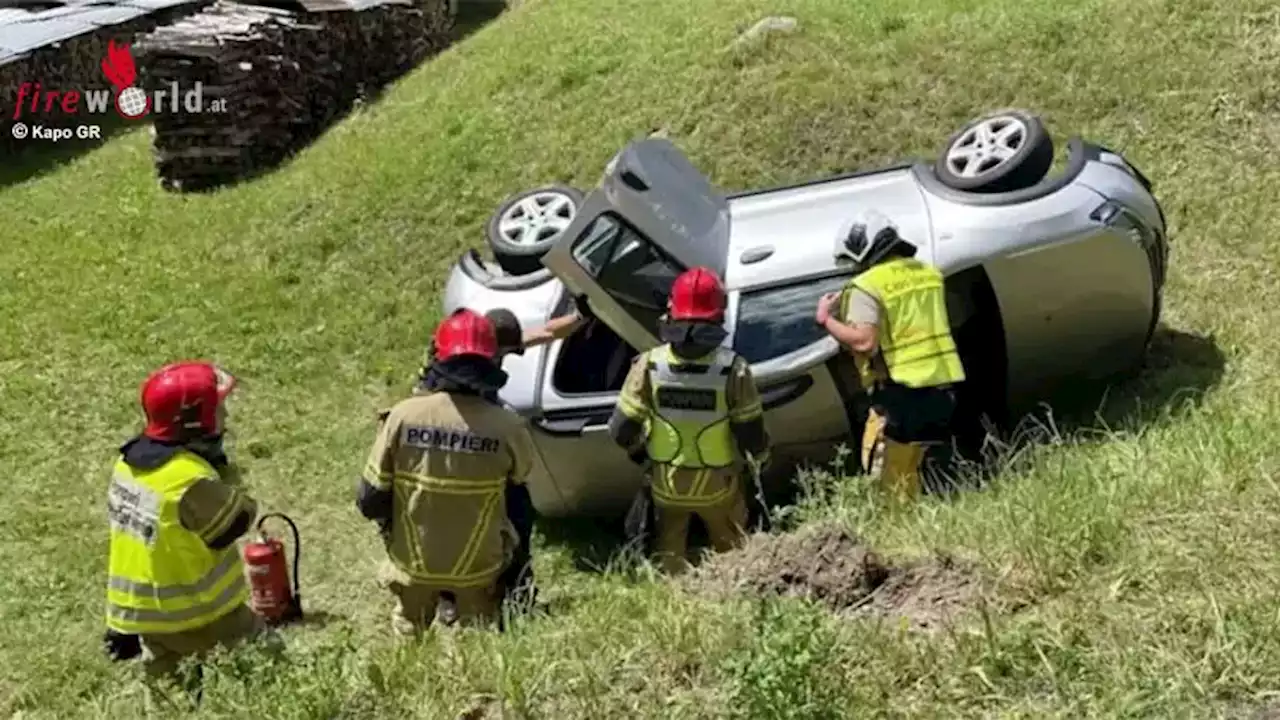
(445, 460)
(435, 514)
(162, 578)
(916, 346)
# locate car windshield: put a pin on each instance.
(779, 320)
(630, 268)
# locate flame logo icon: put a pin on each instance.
(131, 102)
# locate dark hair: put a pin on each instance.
(507, 327)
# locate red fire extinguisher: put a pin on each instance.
(273, 599)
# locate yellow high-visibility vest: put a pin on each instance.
(162, 578)
(689, 426)
(916, 345)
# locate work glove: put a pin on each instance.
(120, 647)
(639, 455)
(583, 308)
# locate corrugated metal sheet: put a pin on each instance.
(153, 5)
(90, 14)
(27, 25)
(27, 36)
(102, 15)
(318, 6)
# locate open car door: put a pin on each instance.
(653, 216)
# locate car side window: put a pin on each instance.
(779, 320)
(625, 264)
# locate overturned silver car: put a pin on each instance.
(1051, 279)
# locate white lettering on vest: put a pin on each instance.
(133, 509)
(686, 398)
(449, 439)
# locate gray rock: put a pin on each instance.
(767, 26)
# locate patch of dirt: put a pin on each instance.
(829, 564)
(927, 594)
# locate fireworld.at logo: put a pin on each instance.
(131, 102)
(128, 100)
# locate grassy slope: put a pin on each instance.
(1150, 554)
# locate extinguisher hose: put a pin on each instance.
(297, 543)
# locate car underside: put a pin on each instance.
(1050, 280)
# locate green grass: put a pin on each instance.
(1147, 557)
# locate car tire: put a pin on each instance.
(527, 224)
(1001, 152)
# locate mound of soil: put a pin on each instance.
(927, 594)
(829, 564)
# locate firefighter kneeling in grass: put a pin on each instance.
(692, 408)
(893, 317)
(176, 585)
(444, 476)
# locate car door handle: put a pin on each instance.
(562, 427)
(787, 367)
(570, 426)
(775, 396)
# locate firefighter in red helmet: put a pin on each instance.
(691, 408)
(176, 585)
(444, 464)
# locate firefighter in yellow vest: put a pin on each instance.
(691, 407)
(893, 317)
(175, 581)
(443, 480)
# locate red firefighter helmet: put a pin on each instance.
(181, 400)
(697, 295)
(465, 332)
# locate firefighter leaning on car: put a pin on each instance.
(514, 339)
(176, 585)
(893, 317)
(444, 481)
(692, 409)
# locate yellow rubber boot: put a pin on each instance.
(900, 473)
(872, 435)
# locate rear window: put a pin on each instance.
(634, 271)
(779, 320)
